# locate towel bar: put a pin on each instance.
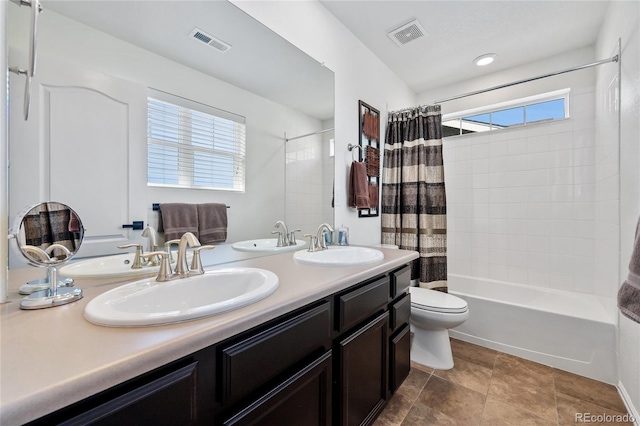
(156, 207)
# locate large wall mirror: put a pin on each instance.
(85, 141)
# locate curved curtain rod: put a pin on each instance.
(286, 139)
(615, 58)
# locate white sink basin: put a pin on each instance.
(148, 302)
(110, 266)
(266, 244)
(340, 256)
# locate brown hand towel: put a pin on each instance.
(358, 186)
(629, 293)
(212, 218)
(178, 218)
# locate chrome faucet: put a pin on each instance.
(317, 242)
(320, 235)
(187, 240)
(152, 244)
(283, 237)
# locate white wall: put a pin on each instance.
(623, 21)
(253, 213)
(4, 195)
(359, 75)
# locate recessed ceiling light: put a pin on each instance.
(485, 59)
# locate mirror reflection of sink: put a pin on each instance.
(340, 256)
(266, 244)
(148, 302)
(109, 267)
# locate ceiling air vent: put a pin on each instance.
(216, 43)
(407, 33)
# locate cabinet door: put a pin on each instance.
(170, 399)
(362, 373)
(400, 358)
(304, 399)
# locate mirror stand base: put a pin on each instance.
(33, 286)
(44, 299)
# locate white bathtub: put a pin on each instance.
(567, 330)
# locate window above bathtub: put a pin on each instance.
(192, 145)
(519, 112)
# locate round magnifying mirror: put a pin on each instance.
(49, 234)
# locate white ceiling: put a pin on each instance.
(459, 31)
(519, 31)
(259, 60)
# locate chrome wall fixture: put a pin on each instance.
(286, 139)
(36, 8)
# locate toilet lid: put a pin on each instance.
(436, 301)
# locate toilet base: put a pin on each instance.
(431, 348)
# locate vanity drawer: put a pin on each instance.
(400, 311)
(400, 280)
(252, 362)
(361, 303)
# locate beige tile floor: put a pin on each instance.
(487, 387)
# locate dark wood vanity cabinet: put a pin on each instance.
(171, 395)
(399, 329)
(280, 374)
(333, 362)
(303, 399)
(362, 373)
(361, 352)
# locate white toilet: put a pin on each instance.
(433, 313)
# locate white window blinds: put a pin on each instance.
(191, 145)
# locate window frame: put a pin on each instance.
(504, 106)
(185, 167)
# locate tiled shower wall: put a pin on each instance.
(308, 183)
(303, 175)
(521, 201)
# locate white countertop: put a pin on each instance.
(50, 358)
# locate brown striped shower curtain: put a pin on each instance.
(414, 203)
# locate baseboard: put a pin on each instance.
(628, 403)
(593, 369)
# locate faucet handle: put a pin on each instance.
(292, 237)
(280, 240)
(165, 266)
(313, 242)
(137, 264)
(167, 248)
(196, 262)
